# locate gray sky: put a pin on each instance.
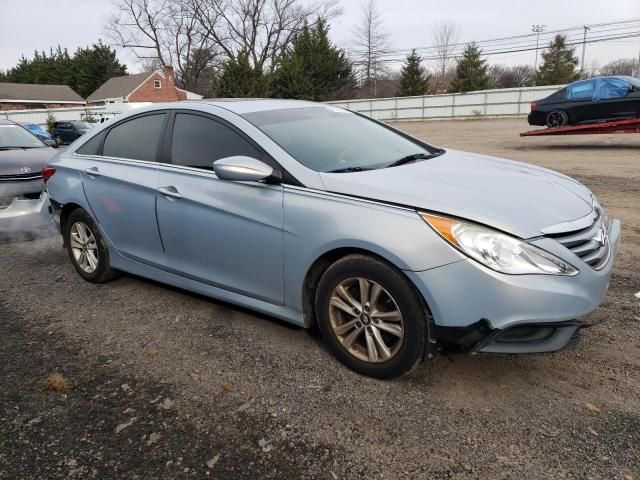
(26, 25)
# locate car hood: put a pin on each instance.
(11, 161)
(514, 197)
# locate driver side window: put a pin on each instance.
(199, 141)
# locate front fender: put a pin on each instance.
(319, 222)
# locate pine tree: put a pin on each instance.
(241, 79)
(558, 63)
(471, 71)
(414, 78)
(92, 66)
(84, 72)
(312, 68)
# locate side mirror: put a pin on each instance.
(242, 169)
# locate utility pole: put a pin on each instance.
(537, 29)
(584, 46)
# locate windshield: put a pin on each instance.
(13, 136)
(81, 125)
(327, 139)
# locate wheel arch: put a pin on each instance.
(66, 210)
(319, 266)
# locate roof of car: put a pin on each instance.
(624, 77)
(242, 106)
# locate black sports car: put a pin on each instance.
(586, 101)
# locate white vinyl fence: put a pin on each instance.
(39, 116)
(485, 103)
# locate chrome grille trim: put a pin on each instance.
(587, 243)
(20, 176)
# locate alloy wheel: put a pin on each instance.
(366, 320)
(84, 247)
(556, 119)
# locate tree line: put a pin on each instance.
(283, 49)
(84, 71)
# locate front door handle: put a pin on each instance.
(92, 172)
(170, 191)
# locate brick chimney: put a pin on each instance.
(169, 75)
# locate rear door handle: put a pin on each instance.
(92, 172)
(170, 191)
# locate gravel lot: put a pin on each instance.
(166, 384)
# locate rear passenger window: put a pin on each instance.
(581, 90)
(92, 146)
(136, 139)
(199, 141)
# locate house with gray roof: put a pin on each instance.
(22, 96)
(151, 87)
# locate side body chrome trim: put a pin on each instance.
(347, 197)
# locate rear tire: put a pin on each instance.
(557, 118)
(384, 337)
(87, 249)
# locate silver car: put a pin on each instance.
(394, 248)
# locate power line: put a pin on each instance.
(600, 39)
(530, 38)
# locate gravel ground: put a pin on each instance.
(166, 384)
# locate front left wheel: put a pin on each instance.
(371, 317)
(87, 249)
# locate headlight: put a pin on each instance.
(496, 250)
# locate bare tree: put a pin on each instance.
(445, 39)
(197, 35)
(623, 66)
(262, 28)
(511, 77)
(164, 32)
(371, 44)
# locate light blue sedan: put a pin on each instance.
(394, 248)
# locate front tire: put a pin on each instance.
(557, 118)
(58, 141)
(87, 249)
(371, 317)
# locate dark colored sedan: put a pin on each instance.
(586, 101)
(22, 156)
(67, 132)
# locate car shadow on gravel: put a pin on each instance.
(112, 425)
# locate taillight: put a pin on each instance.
(47, 173)
(534, 105)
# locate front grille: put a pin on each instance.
(21, 176)
(591, 244)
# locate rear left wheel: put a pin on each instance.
(86, 247)
(371, 317)
(557, 118)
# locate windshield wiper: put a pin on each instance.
(349, 169)
(415, 157)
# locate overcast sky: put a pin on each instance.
(26, 25)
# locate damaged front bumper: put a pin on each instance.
(526, 338)
(24, 218)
